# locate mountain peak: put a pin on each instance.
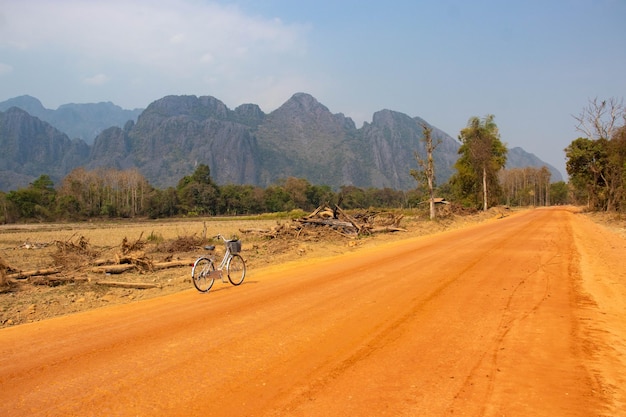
(303, 103)
(386, 117)
(25, 102)
(199, 108)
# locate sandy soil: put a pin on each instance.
(516, 316)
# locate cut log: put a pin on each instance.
(386, 229)
(54, 281)
(113, 269)
(173, 264)
(26, 274)
(255, 231)
(137, 285)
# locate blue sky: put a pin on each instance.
(533, 64)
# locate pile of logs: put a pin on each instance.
(338, 221)
(75, 255)
(362, 223)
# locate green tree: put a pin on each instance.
(277, 199)
(36, 201)
(163, 203)
(351, 197)
(296, 188)
(483, 155)
(559, 193)
(587, 161)
(198, 193)
(240, 199)
(316, 195)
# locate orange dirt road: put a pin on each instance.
(521, 316)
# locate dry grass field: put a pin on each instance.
(75, 249)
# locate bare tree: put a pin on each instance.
(427, 165)
(598, 120)
(526, 186)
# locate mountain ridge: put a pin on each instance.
(82, 121)
(301, 138)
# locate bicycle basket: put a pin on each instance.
(234, 246)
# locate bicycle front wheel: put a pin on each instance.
(236, 269)
(202, 274)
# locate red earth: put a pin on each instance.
(521, 316)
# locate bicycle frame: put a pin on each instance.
(222, 264)
(204, 271)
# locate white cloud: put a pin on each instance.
(145, 49)
(97, 79)
(164, 35)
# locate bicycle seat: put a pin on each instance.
(210, 247)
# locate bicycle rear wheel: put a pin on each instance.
(202, 274)
(236, 269)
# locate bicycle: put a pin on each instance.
(203, 273)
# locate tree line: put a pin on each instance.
(111, 193)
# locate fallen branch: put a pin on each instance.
(113, 269)
(386, 229)
(132, 247)
(101, 261)
(137, 285)
(54, 281)
(350, 219)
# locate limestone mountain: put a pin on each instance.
(175, 134)
(393, 139)
(303, 139)
(31, 147)
(82, 121)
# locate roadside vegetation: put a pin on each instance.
(596, 163)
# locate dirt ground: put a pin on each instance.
(512, 315)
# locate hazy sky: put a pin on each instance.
(531, 63)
